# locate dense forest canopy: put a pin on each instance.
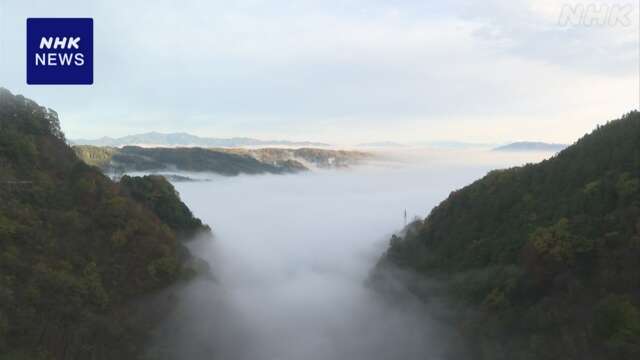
(223, 161)
(134, 158)
(75, 247)
(543, 260)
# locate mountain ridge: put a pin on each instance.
(519, 146)
(155, 138)
(76, 249)
(541, 261)
(224, 161)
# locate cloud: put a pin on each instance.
(533, 29)
(334, 71)
(292, 255)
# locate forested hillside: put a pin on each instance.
(311, 157)
(224, 161)
(75, 247)
(134, 158)
(542, 261)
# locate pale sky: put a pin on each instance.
(342, 72)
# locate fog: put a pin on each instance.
(291, 256)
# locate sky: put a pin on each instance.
(342, 72)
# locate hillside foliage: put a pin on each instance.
(228, 163)
(223, 161)
(543, 261)
(76, 248)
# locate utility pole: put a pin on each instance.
(405, 217)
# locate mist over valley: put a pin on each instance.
(291, 257)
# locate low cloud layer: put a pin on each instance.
(291, 257)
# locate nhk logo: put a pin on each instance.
(59, 51)
(56, 58)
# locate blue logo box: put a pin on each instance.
(59, 51)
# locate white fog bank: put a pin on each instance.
(291, 255)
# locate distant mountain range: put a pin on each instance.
(531, 146)
(157, 139)
(185, 139)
